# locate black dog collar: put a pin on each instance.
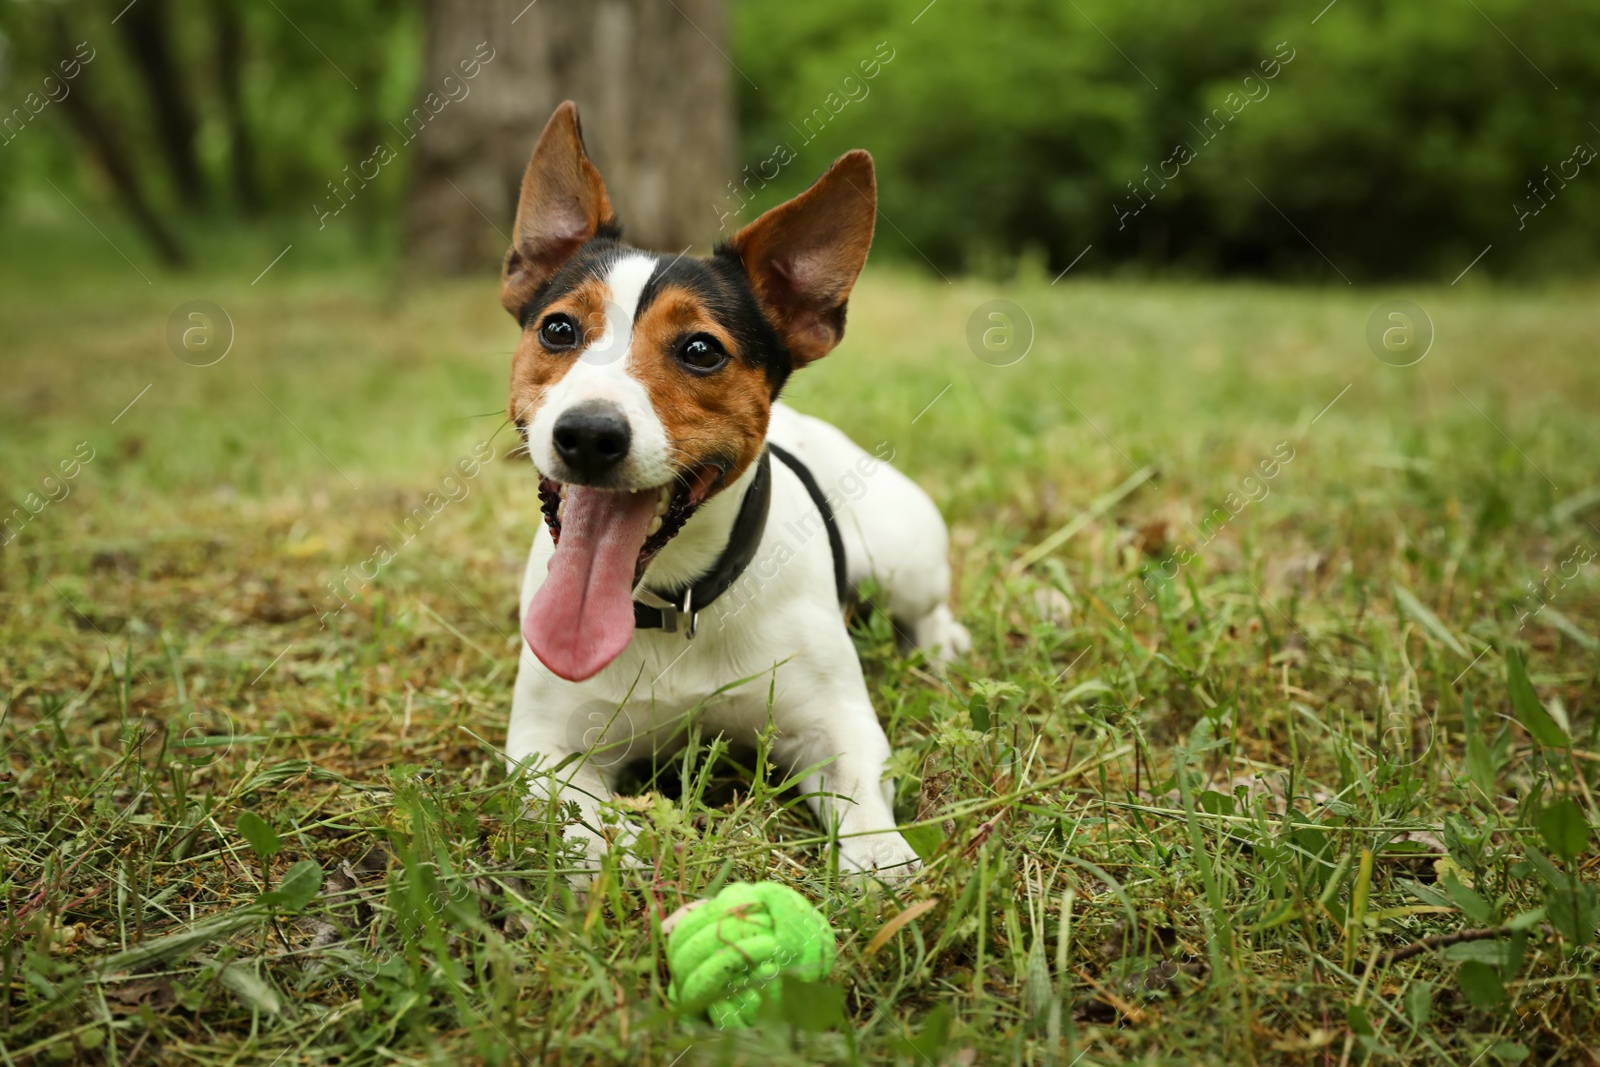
(748, 527)
(743, 541)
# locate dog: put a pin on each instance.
(694, 533)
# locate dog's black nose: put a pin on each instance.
(591, 438)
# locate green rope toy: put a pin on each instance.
(739, 942)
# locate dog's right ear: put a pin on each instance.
(803, 256)
(563, 203)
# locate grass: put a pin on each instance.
(1191, 812)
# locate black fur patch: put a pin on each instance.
(592, 259)
(724, 288)
(720, 282)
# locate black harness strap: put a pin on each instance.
(743, 541)
(835, 542)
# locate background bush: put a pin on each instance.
(1397, 141)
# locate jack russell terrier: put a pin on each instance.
(645, 387)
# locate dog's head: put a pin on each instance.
(643, 382)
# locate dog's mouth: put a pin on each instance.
(582, 617)
(675, 503)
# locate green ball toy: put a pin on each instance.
(735, 946)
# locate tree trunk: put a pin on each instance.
(655, 95)
(241, 150)
(99, 134)
(147, 28)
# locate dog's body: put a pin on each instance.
(651, 431)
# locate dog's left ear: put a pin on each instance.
(803, 256)
(563, 204)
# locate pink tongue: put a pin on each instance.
(582, 617)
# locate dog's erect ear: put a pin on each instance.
(803, 256)
(563, 203)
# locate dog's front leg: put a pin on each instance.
(576, 783)
(848, 793)
(549, 724)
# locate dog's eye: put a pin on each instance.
(702, 353)
(559, 333)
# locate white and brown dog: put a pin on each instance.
(645, 387)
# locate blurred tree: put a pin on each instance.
(147, 28)
(230, 82)
(653, 85)
(171, 102)
(1356, 140)
(99, 130)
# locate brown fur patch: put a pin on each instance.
(535, 369)
(720, 417)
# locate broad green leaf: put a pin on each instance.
(1574, 911)
(811, 1007)
(1467, 900)
(978, 712)
(1356, 1015)
(1547, 870)
(1516, 952)
(931, 1038)
(924, 840)
(296, 888)
(1480, 764)
(1419, 1003)
(1510, 1052)
(1565, 829)
(1082, 689)
(1491, 953)
(1480, 768)
(1481, 985)
(1500, 748)
(262, 837)
(1525, 702)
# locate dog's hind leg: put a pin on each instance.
(916, 593)
(911, 572)
(892, 531)
(940, 635)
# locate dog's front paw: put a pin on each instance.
(942, 637)
(621, 847)
(584, 855)
(887, 856)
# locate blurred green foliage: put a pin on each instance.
(1398, 138)
(297, 63)
(1390, 139)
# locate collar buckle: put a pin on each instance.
(652, 610)
(671, 614)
